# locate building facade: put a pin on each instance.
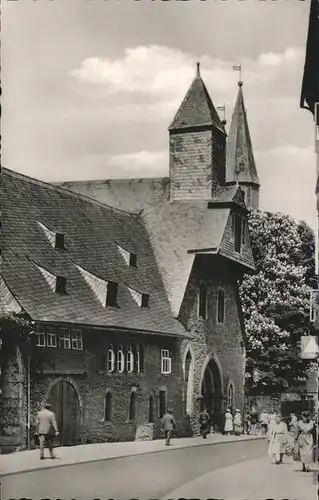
(132, 286)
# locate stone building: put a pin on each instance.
(133, 286)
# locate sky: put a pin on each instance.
(91, 86)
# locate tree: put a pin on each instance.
(276, 302)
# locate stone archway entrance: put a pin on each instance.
(211, 392)
(66, 406)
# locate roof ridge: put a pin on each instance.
(110, 179)
(63, 190)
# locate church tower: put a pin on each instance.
(240, 162)
(197, 146)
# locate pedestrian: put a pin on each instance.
(237, 423)
(168, 423)
(305, 441)
(292, 436)
(228, 427)
(46, 429)
(204, 421)
(253, 419)
(278, 440)
(248, 424)
(264, 421)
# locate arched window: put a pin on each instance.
(111, 359)
(138, 359)
(108, 407)
(230, 396)
(221, 306)
(133, 404)
(151, 409)
(129, 360)
(120, 359)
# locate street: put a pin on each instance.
(227, 470)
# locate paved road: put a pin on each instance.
(207, 471)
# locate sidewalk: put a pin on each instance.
(27, 461)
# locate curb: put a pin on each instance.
(152, 452)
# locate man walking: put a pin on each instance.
(46, 429)
(204, 421)
(169, 425)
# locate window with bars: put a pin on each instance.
(64, 338)
(76, 339)
(202, 300)
(111, 359)
(129, 360)
(51, 337)
(166, 361)
(120, 360)
(221, 306)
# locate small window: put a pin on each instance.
(162, 403)
(111, 359)
(76, 339)
(137, 359)
(238, 233)
(40, 337)
(133, 260)
(59, 241)
(230, 396)
(120, 360)
(111, 297)
(133, 405)
(202, 300)
(108, 407)
(145, 300)
(60, 286)
(129, 360)
(166, 362)
(64, 338)
(51, 337)
(221, 306)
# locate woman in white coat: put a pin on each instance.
(229, 427)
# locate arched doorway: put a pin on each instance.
(65, 404)
(212, 394)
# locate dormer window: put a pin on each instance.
(60, 286)
(111, 296)
(56, 239)
(141, 299)
(59, 241)
(129, 257)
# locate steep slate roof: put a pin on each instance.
(240, 162)
(175, 228)
(92, 231)
(197, 108)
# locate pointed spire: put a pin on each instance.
(240, 162)
(197, 109)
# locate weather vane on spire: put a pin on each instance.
(198, 69)
(237, 67)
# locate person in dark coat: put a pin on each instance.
(204, 421)
(46, 428)
(168, 423)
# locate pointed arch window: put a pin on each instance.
(221, 307)
(111, 359)
(230, 396)
(108, 407)
(202, 300)
(120, 359)
(133, 405)
(129, 360)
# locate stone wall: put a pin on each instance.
(93, 385)
(221, 342)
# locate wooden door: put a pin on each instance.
(65, 405)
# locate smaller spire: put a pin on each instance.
(198, 69)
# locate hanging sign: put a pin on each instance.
(309, 347)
